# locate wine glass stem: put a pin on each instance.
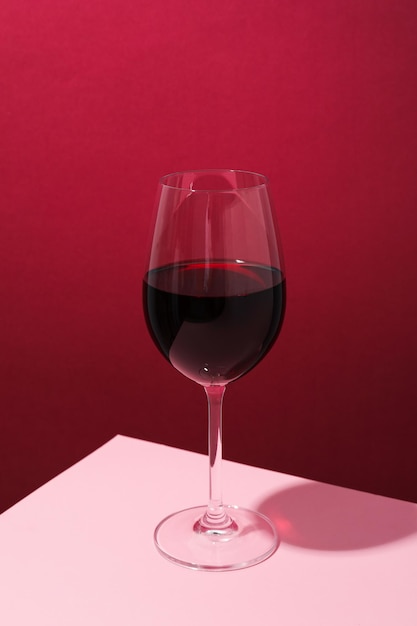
(215, 515)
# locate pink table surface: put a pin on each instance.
(79, 550)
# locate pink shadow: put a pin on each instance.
(317, 516)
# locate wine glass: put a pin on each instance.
(214, 300)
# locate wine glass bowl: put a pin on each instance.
(214, 301)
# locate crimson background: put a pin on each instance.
(101, 97)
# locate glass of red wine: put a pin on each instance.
(214, 300)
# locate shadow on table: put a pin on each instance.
(317, 516)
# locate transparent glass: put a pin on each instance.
(214, 301)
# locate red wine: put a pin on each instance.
(214, 320)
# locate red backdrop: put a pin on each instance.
(100, 98)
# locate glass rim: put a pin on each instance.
(256, 175)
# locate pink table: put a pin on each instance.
(79, 551)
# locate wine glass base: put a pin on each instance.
(253, 539)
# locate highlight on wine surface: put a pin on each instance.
(214, 302)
